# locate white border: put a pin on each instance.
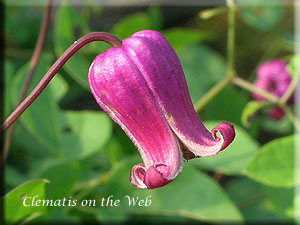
(297, 111)
(143, 2)
(128, 3)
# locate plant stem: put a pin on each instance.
(230, 39)
(250, 87)
(230, 3)
(212, 93)
(96, 36)
(271, 98)
(230, 61)
(217, 176)
(33, 63)
(87, 186)
(247, 202)
(30, 218)
(292, 117)
(290, 90)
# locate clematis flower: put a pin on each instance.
(272, 76)
(142, 87)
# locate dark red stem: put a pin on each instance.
(96, 36)
(33, 63)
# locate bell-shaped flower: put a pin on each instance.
(272, 76)
(142, 87)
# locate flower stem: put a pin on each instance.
(230, 61)
(230, 3)
(33, 63)
(230, 39)
(30, 218)
(96, 36)
(292, 117)
(212, 93)
(84, 188)
(250, 87)
(271, 98)
(217, 176)
(290, 90)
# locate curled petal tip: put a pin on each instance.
(137, 174)
(150, 178)
(212, 145)
(227, 132)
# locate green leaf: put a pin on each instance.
(234, 158)
(180, 38)
(250, 109)
(62, 177)
(114, 149)
(84, 132)
(110, 216)
(226, 106)
(282, 126)
(281, 201)
(23, 20)
(294, 66)
(131, 24)
(66, 22)
(41, 119)
(13, 177)
(249, 197)
(203, 67)
(261, 15)
(70, 135)
(274, 164)
(34, 155)
(192, 194)
(15, 211)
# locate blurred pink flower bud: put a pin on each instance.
(272, 76)
(276, 113)
(142, 87)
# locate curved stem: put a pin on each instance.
(96, 36)
(290, 90)
(212, 93)
(33, 63)
(230, 39)
(250, 87)
(292, 117)
(230, 61)
(37, 50)
(230, 3)
(271, 98)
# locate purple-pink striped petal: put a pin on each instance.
(163, 73)
(121, 91)
(142, 87)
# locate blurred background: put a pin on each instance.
(65, 137)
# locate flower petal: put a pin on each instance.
(120, 89)
(162, 71)
(273, 76)
(150, 178)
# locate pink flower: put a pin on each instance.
(272, 76)
(142, 87)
